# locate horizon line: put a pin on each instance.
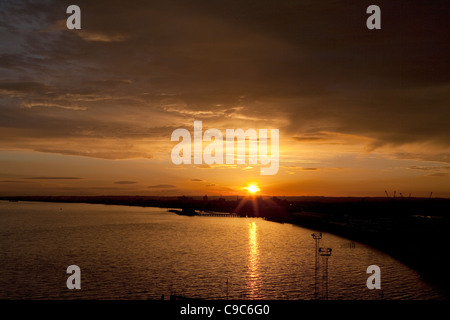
(228, 196)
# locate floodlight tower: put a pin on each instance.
(325, 253)
(316, 236)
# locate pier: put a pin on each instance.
(224, 215)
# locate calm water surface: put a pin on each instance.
(142, 253)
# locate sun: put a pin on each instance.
(252, 188)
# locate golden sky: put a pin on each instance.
(91, 111)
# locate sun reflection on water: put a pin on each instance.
(253, 279)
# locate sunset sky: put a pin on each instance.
(91, 111)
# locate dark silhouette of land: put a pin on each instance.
(413, 230)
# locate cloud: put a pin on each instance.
(54, 178)
(424, 168)
(300, 168)
(304, 68)
(196, 180)
(308, 139)
(438, 174)
(435, 157)
(109, 154)
(204, 166)
(162, 186)
(10, 86)
(102, 37)
(51, 105)
(434, 171)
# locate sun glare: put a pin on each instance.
(252, 188)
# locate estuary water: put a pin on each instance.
(142, 253)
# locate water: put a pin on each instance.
(142, 253)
